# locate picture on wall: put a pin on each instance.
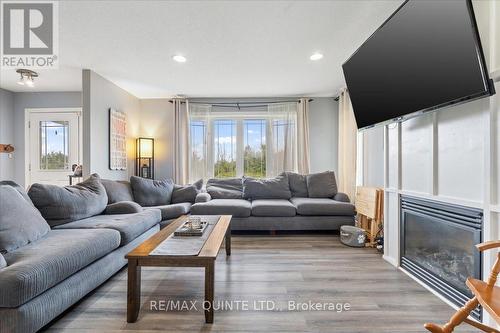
(117, 140)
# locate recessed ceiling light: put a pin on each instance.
(179, 58)
(316, 56)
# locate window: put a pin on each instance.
(229, 142)
(254, 157)
(198, 149)
(54, 145)
(224, 148)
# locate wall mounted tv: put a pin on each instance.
(427, 55)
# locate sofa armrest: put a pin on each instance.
(202, 197)
(3, 263)
(341, 197)
(123, 207)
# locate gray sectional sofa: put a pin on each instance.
(57, 245)
(287, 202)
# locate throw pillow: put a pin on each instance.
(321, 185)
(272, 188)
(186, 193)
(227, 188)
(117, 190)
(60, 205)
(298, 184)
(20, 222)
(148, 192)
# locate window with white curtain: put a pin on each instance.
(255, 142)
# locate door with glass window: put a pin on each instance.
(54, 146)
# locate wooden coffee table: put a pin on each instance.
(141, 256)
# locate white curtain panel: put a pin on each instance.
(303, 158)
(282, 127)
(348, 133)
(181, 141)
(201, 153)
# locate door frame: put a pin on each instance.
(27, 132)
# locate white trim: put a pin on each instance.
(27, 148)
(391, 260)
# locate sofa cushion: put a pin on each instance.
(149, 192)
(123, 207)
(117, 190)
(173, 211)
(235, 207)
(321, 185)
(298, 184)
(227, 188)
(322, 206)
(271, 188)
(39, 266)
(273, 207)
(20, 222)
(186, 193)
(60, 205)
(130, 226)
(18, 188)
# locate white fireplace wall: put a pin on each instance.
(452, 155)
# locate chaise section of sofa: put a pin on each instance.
(45, 272)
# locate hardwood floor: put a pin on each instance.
(280, 269)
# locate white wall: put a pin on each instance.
(99, 95)
(26, 100)
(7, 133)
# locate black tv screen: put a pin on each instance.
(425, 56)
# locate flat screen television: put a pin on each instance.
(425, 56)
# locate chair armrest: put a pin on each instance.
(3, 263)
(341, 197)
(488, 245)
(202, 197)
(123, 207)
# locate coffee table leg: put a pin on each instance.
(209, 292)
(133, 290)
(228, 241)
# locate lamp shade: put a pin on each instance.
(145, 147)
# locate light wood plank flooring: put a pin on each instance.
(278, 268)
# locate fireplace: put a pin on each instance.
(437, 246)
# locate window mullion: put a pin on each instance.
(240, 148)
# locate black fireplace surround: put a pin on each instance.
(437, 246)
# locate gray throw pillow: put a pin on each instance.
(321, 185)
(298, 184)
(227, 188)
(18, 188)
(186, 193)
(60, 205)
(123, 207)
(117, 190)
(20, 222)
(272, 188)
(148, 192)
(3, 263)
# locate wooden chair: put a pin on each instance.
(370, 208)
(485, 293)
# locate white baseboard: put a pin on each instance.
(391, 260)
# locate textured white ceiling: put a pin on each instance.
(233, 48)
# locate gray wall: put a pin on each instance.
(323, 134)
(7, 133)
(157, 121)
(99, 95)
(27, 100)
